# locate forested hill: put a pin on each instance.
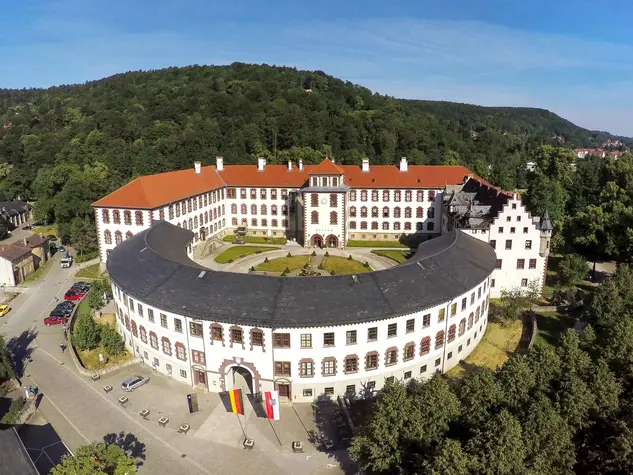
(81, 141)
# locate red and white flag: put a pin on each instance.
(272, 404)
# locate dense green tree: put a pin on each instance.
(97, 459)
(111, 340)
(83, 235)
(572, 269)
(6, 366)
(86, 333)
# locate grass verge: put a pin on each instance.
(41, 271)
(336, 265)
(283, 263)
(551, 325)
(398, 256)
(90, 358)
(237, 252)
(86, 256)
(353, 243)
(45, 230)
(498, 343)
(89, 272)
(256, 239)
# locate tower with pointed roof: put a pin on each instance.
(546, 228)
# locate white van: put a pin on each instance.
(67, 262)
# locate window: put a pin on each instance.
(498, 264)
(453, 309)
(385, 212)
(514, 206)
(236, 335)
(374, 212)
(363, 195)
(333, 200)
(181, 354)
(314, 200)
(374, 195)
(282, 368)
(350, 337)
(392, 330)
(430, 226)
(385, 195)
(532, 263)
(372, 334)
(351, 364)
(450, 355)
(410, 325)
(439, 339)
(397, 195)
(528, 244)
(150, 315)
(407, 212)
(195, 329)
(307, 393)
(512, 230)
(333, 217)
(281, 340)
(352, 195)
(493, 243)
(501, 230)
(438, 362)
(217, 333)
(371, 361)
(178, 325)
(464, 303)
(329, 391)
(396, 212)
(524, 282)
(307, 369)
(198, 357)
(352, 212)
(385, 226)
(419, 212)
(138, 215)
(462, 326)
(520, 263)
(143, 334)
(153, 340)
(425, 345)
(166, 344)
(329, 367)
(441, 314)
(409, 352)
(350, 389)
(183, 374)
(508, 218)
(107, 237)
(426, 320)
(451, 332)
(314, 217)
(492, 283)
(525, 230)
(328, 339)
(470, 319)
(391, 357)
(422, 369)
(284, 194)
(118, 237)
(396, 226)
(163, 320)
(508, 243)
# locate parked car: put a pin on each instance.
(77, 290)
(61, 249)
(60, 312)
(72, 295)
(65, 304)
(84, 287)
(28, 227)
(133, 382)
(4, 309)
(54, 320)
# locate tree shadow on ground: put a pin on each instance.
(129, 443)
(20, 350)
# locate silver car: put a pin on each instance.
(133, 382)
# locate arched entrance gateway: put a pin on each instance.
(203, 234)
(242, 378)
(317, 241)
(331, 241)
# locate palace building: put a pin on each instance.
(327, 205)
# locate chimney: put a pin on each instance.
(261, 162)
(403, 164)
(300, 165)
(289, 165)
(197, 166)
(365, 166)
(219, 163)
(26, 242)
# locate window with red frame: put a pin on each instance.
(397, 195)
(363, 224)
(333, 217)
(419, 212)
(408, 196)
(407, 226)
(374, 225)
(407, 212)
(352, 211)
(254, 222)
(273, 194)
(254, 209)
(431, 195)
(314, 200)
(439, 339)
(166, 346)
(105, 216)
(352, 195)
(451, 332)
(118, 237)
(263, 210)
(396, 226)
(143, 334)
(385, 195)
(431, 212)
(107, 237)
(425, 345)
(352, 224)
(171, 211)
(363, 195)
(385, 226)
(374, 211)
(374, 195)
(333, 200)
(419, 195)
(233, 208)
(243, 193)
(385, 212)
(284, 210)
(396, 212)
(284, 194)
(273, 210)
(262, 193)
(253, 193)
(314, 217)
(462, 326)
(198, 357)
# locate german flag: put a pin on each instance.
(237, 403)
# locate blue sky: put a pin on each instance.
(574, 57)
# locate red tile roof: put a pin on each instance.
(326, 167)
(151, 191)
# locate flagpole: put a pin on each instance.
(275, 432)
(241, 426)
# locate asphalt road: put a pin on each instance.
(80, 412)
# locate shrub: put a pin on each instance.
(283, 274)
(366, 264)
(332, 272)
(95, 299)
(286, 271)
(230, 260)
(86, 333)
(306, 265)
(327, 254)
(112, 342)
(266, 260)
(350, 258)
(13, 414)
(289, 255)
(252, 269)
(313, 254)
(86, 256)
(258, 252)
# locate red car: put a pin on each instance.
(54, 320)
(72, 295)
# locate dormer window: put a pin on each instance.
(334, 181)
(324, 181)
(315, 181)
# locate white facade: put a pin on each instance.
(305, 363)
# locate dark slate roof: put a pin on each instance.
(14, 458)
(12, 208)
(546, 224)
(152, 266)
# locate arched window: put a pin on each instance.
(171, 211)
(215, 213)
(166, 346)
(352, 211)
(116, 216)
(451, 333)
(419, 212)
(243, 209)
(471, 317)
(425, 345)
(462, 326)
(333, 200)
(314, 200)
(374, 225)
(143, 334)
(396, 212)
(134, 329)
(363, 224)
(439, 339)
(385, 212)
(407, 212)
(363, 212)
(233, 210)
(190, 224)
(127, 217)
(477, 315)
(314, 217)
(105, 216)
(374, 211)
(195, 222)
(263, 210)
(333, 217)
(107, 237)
(128, 235)
(273, 210)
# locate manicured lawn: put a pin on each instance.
(279, 265)
(342, 265)
(551, 325)
(398, 256)
(237, 252)
(90, 272)
(499, 342)
(45, 230)
(257, 239)
(43, 270)
(353, 243)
